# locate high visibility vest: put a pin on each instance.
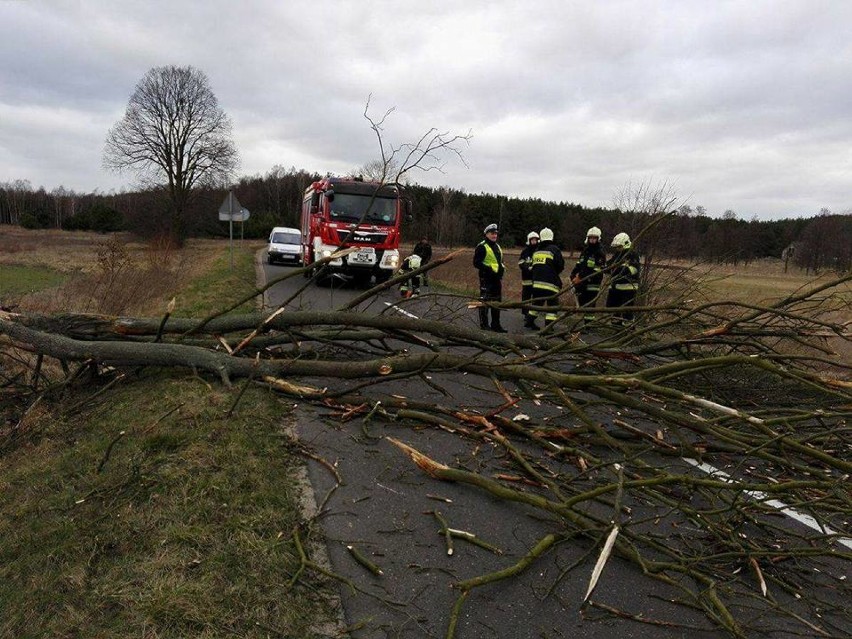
(491, 261)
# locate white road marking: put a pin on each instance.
(802, 518)
(403, 311)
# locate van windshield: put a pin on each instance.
(286, 238)
(348, 207)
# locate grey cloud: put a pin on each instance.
(741, 105)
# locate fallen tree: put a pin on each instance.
(757, 387)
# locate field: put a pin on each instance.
(758, 282)
(54, 271)
(159, 503)
(161, 507)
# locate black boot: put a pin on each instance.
(483, 318)
(495, 321)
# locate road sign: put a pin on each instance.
(231, 209)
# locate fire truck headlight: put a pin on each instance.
(390, 259)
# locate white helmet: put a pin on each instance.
(532, 235)
(414, 261)
(546, 235)
(622, 240)
(594, 232)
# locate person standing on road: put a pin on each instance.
(547, 264)
(411, 286)
(587, 274)
(424, 250)
(525, 264)
(623, 268)
(488, 260)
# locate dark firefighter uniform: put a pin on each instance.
(547, 264)
(587, 274)
(411, 286)
(525, 264)
(424, 250)
(623, 268)
(488, 260)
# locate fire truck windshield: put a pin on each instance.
(348, 207)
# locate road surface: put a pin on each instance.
(385, 507)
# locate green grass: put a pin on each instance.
(221, 286)
(185, 531)
(16, 280)
(186, 528)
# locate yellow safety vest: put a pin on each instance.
(490, 260)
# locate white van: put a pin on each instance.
(285, 245)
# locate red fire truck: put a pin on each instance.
(349, 212)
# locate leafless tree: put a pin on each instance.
(173, 132)
(428, 153)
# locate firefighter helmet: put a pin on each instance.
(622, 241)
(594, 232)
(546, 235)
(414, 261)
(532, 235)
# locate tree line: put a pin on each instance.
(449, 217)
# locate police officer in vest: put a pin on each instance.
(525, 264)
(547, 264)
(623, 269)
(488, 260)
(587, 274)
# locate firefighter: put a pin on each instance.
(525, 264)
(547, 264)
(587, 274)
(411, 286)
(424, 250)
(623, 268)
(488, 260)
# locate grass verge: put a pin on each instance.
(149, 512)
(221, 286)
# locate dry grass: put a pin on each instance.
(759, 282)
(111, 274)
(144, 508)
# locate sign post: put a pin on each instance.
(232, 211)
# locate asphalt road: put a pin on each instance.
(385, 508)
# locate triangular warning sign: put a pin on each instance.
(230, 206)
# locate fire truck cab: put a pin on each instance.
(349, 212)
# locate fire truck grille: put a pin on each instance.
(361, 238)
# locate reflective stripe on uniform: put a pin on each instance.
(541, 257)
(527, 282)
(546, 287)
(629, 286)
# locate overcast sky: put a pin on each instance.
(742, 105)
